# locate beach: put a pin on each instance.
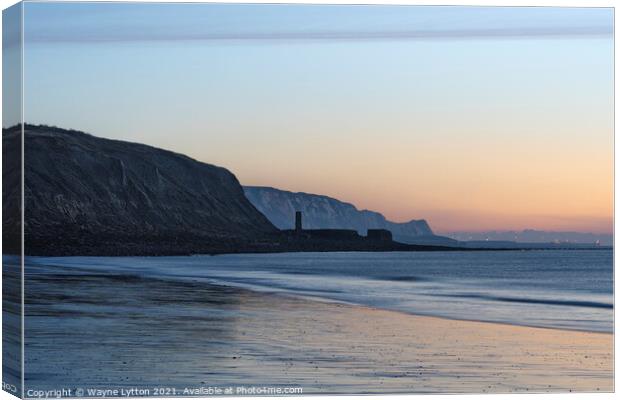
(127, 331)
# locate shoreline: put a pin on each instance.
(407, 248)
(194, 333)
(318, 296)
(550, 333)
(412, 314)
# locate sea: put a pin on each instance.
(565, 289)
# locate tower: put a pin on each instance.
(298, 221)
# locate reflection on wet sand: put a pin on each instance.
(113, 331)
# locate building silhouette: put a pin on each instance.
(298, 226)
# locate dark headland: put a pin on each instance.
(86, 195)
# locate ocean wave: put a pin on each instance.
(527, 300)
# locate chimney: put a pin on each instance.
(298, 221)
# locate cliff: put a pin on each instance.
(322, 212)
(85, 195)
(88, 195)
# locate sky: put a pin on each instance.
(474, 118)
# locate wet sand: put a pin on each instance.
(113, 331)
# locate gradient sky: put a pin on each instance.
(473, 118)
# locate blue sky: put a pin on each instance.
(399, 109)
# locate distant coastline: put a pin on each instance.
(92, 196)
